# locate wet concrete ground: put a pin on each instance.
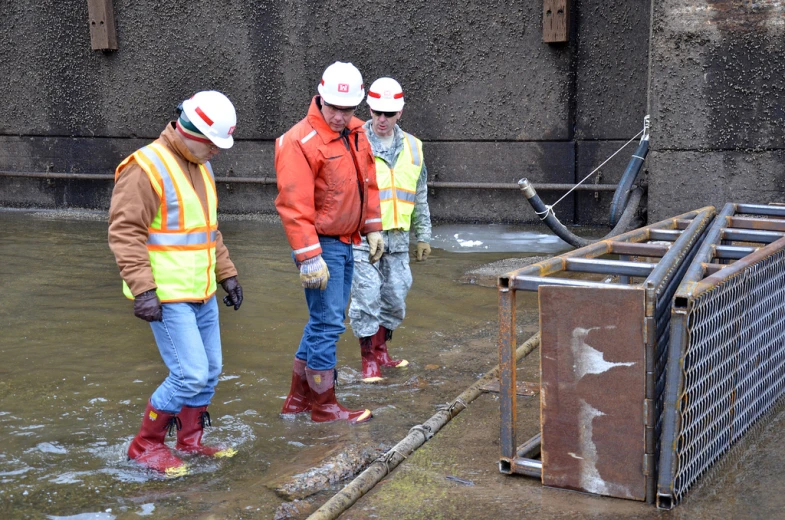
(76, 369)
(746, 484)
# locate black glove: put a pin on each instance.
(234, 292)
(147, 306)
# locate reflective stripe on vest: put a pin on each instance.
(398, 186)
(182, 237)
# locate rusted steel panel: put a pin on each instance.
(593, 390)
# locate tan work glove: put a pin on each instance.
(376, 245)
(314, 273)
(423, 250)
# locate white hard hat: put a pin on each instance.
(342, 85)
(213, 114)
(385, 95)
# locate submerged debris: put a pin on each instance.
(343, 466)
(293, 509)
(459, 480)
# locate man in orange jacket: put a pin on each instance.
(327, 197)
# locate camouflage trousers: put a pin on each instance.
(379, 292)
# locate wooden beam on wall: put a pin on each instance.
(555, 21)
(103, 35)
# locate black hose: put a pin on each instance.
(565, 234)
(622, 194)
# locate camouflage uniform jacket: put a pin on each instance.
(396, 241)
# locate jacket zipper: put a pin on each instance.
(357, 172)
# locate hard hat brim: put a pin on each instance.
(340, 101)
(223, 144)
(385, 105)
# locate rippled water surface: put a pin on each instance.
(76, 369)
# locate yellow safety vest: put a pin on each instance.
(181, 238)
(398, 185)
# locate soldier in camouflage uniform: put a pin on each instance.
(379, 290)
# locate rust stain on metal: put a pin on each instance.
(593, 389)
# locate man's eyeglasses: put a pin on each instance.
(344, 110)
(388, 115)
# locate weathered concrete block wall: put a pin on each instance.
(491, 101)
(717, 103)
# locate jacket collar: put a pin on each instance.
(174, 142)
(388, 155)
(316, 120)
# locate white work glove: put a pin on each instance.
(314, 273)
(376, 245)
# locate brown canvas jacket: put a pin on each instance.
(134, 206)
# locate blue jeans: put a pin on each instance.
(189, 340)
(327, 308)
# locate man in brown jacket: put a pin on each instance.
(163, 231)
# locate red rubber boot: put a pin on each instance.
(299, 398)
(371, 371)
(325, 405)
(380, 340)
(148, 448)
(189, 437)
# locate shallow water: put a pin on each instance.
(76, 369)
(497, 238)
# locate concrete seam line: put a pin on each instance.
(272, 180)
(366, 480)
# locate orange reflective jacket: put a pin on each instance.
(326, 183)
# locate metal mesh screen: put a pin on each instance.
(733, 367)
(663, 322)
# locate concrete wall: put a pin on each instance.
(717, 104)
(491, 101)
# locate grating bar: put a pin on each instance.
(760, 209)
(751, 235)
(732, 252)
(665, 234)
(590, 265)
(710, 269)
(638, 249)
(757, 223)
(532, 283)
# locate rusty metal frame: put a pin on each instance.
(674, 242)
(718, 321)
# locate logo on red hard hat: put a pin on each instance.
(343, 87)
(231, 130)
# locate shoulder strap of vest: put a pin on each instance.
(414, 149)
(159, 163)
(209, 168)
(147, 159)
(209, 180)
